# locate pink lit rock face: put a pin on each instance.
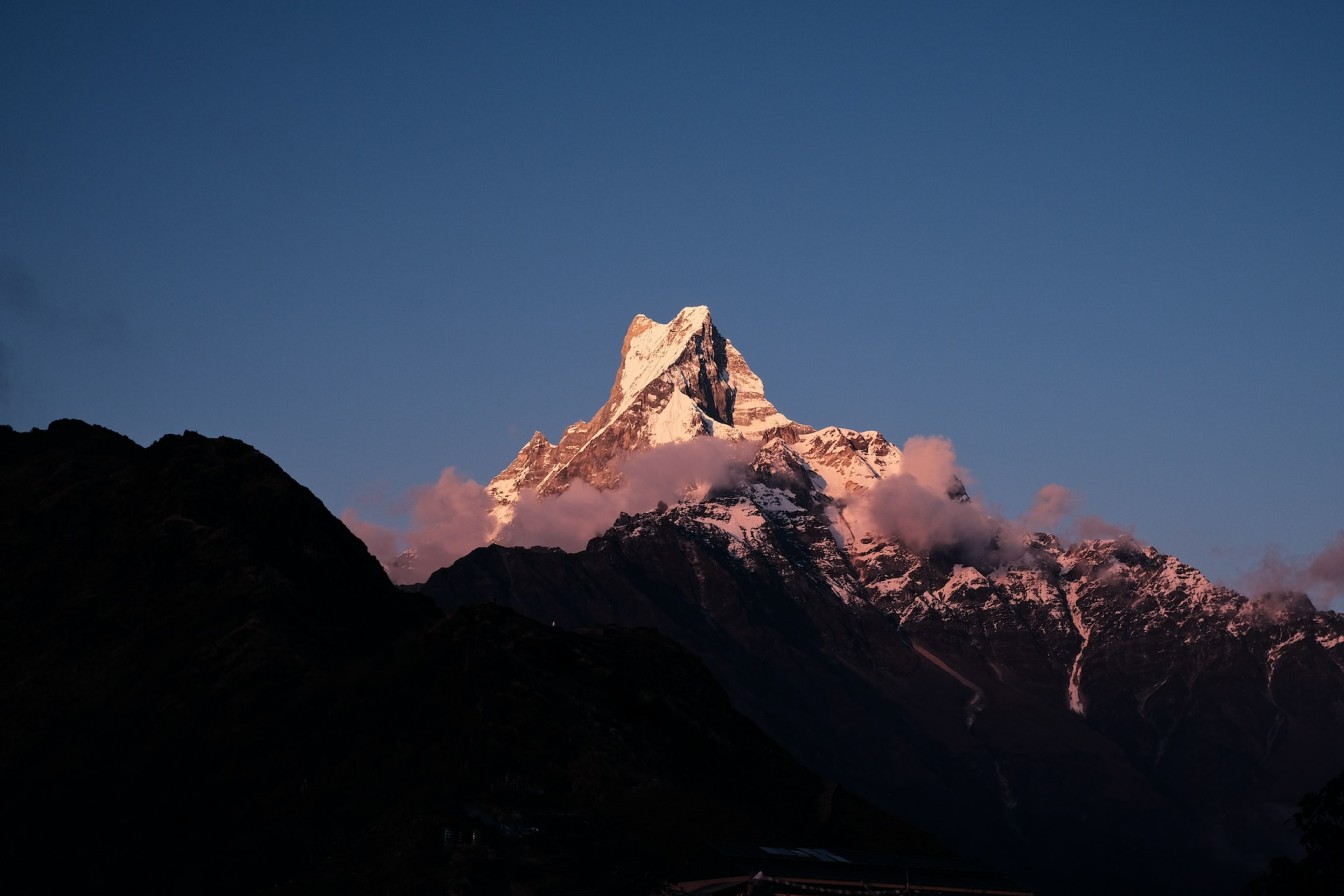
(676, 381)
(1064, 706)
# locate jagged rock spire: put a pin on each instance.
(676, 381)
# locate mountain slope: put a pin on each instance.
(1087, 708)
(210, 686)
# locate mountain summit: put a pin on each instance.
(679, 381)
(676, 381)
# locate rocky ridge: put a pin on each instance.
(676, 381)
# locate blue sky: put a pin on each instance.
(1098, 245)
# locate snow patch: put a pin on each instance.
(1076, 702)
(847, 462)
(772, 500)
(677, 421)
(739, 520)
(964, 577)
(653, 348)
(894, 585)
(1276, 652)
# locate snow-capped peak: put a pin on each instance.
(676, 381)
(690, 355)
(650, 348)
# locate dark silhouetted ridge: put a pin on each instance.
(208, 685)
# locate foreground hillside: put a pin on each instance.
(208, 685)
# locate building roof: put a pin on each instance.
(730, 869)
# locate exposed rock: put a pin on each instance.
(676, 381)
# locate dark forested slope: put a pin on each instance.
(208, 685)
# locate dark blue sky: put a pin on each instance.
(1099, 245)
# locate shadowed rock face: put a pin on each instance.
(1099, 708)
(1178, 766)
(118, 533)
(208, 685)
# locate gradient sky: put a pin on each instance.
(1094, 244)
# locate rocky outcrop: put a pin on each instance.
(676, 381)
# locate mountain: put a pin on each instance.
(1097, 714)
(676, 381)
(208, 685)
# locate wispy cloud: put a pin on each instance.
(1053, 503)
(452, 516)
(663, 474)
(1319, 575)
(914, 508)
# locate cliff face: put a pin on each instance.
(676, 381)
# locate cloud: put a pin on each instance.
(926, 520)
(664, 474)
(1320, 575)
(924, 508)
(449, 519)
(1273, 573)
(1326, 569)
(453, 516)
(1279, 605)
(380, 540)
(1094, 528)
(917, 508)
(1052, 504)
(1053, 510)
(932, 463)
